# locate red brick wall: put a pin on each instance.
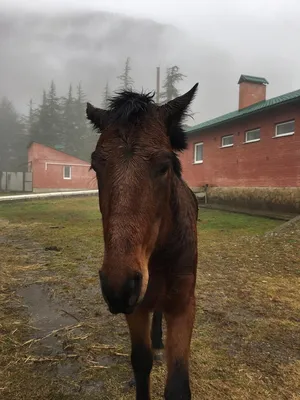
(251, 93)
(47, 170)
(273, 162)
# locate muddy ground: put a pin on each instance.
(58, 341)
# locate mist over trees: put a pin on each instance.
(60, 121)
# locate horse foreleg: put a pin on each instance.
(141, 352)
(156, 334)
(179, 333)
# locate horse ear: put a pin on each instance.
(173, 113)
(178, 106)
(97, 116)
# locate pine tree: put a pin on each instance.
(31, 116)
(106, 96)
(31, 119)
(13, 151)
(61, 123)
(126, 80)
(54, 108)
(84, 137)
(173, 76)
(69, 131)
(48, 124)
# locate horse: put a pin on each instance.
(149, 219)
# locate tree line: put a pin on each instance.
(172, 77)
(60, 122)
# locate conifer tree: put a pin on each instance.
(173, 76)
(126, 80)
(69, 131)
(13, 151)
(106, 96)
(85, 137)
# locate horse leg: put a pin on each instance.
(179, 333)
(156, 339)
(156, 335)
(141, 352)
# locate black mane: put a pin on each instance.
(128, 106)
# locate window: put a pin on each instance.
(227, 141)
(252, 136)
(198, 153)
(67, 172)
(285, 128)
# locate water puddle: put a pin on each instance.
(46, 316)
(49, 317)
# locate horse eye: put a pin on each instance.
(163, 169)
(97, 160)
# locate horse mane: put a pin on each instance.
(128, 106)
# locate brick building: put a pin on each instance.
(257, 145)
(54, 170)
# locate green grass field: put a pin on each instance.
(58, 341)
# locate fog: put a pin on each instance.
(212, 42)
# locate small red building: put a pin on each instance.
(54, 170)
(257, 145)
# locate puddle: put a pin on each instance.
(46, 316)
(67, 369)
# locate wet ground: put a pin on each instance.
(58, 341)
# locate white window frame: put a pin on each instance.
(254, 140)
(226, 145)
(284, 134)
(195, 153)
(64, 172)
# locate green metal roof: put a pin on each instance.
(252, 79)
(244, 112)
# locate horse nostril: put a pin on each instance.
(132, 284)
(134, 289)
(132, 300)
(121, 298)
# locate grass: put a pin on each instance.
(246, 342)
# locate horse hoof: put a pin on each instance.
(158, 356)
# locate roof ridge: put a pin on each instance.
(253, 79)
(256, 107)
(52, 148)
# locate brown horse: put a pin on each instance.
(149, 224)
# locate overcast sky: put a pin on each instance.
(181, 12)
(216, 41)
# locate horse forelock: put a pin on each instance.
(128, 106)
